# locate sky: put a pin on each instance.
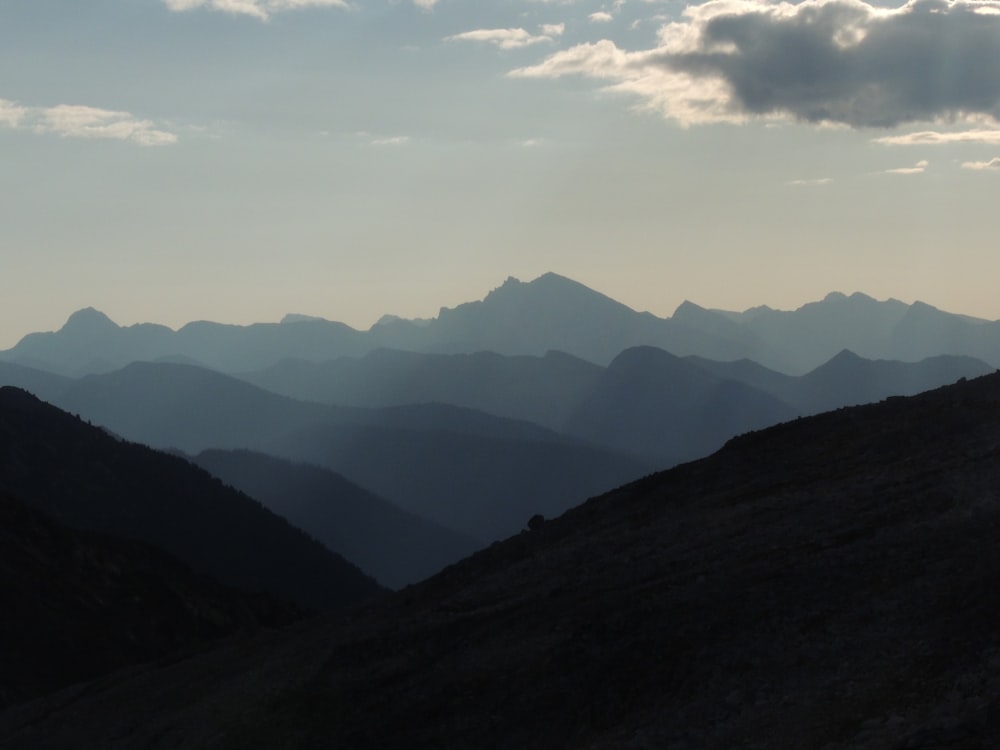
(236, 160)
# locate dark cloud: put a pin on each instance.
(850, 63)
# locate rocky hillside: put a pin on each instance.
(79, 605)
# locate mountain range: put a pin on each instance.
(532, 318)
(414, 429)
(429, 449)
(823, 583)
(475, 473)
(314, 465)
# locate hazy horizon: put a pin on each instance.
(364, 326)
(237, 160)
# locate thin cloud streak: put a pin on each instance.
(393, 140)
(510, 38)
(818, 182)
(981, 166)
(80, 121)
(260, 9)
(917, 168)
(934, 138)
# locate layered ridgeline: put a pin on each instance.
(394, 546)
(822, 583)
(549, 313)
(409, 429)
(646, 402)
(474, 473)
(88, 479)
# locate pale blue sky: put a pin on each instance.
(234, 160)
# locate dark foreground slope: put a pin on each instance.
(88, 479)
(826, 583)
(77, 605)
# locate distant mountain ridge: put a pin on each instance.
(532, 318)
(648, 403)
(478, 474)
(652, 404)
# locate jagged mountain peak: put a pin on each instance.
(858, 298)
(549, 287)
(687, 307)
(846, 355)
(299, 318)
(644, 355)
(89, 319)
(923, 307)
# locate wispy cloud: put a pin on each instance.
(817, 182)
(934, 138)
(425, 4)
(392, 140)
(917, 168)
(261, 9)
(601, 16)
(847, 62)
(511, 38)
(992, 164)
(79, 121)
(11, 113)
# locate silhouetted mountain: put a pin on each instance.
(665, 409)
(815, 332)
(925, 331)
(179, 406)
(168, 405)
(823, 583)
(556, 313)
(484, 486)
(79, 605)
(539, 389)
(394, 546)
(473, 472)
(892, 330)
(637, 408)
(526, 318)
(45, 385)
(848, 380)
(87, 479)
(532, 318)
(232, 348)
(90, 342)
